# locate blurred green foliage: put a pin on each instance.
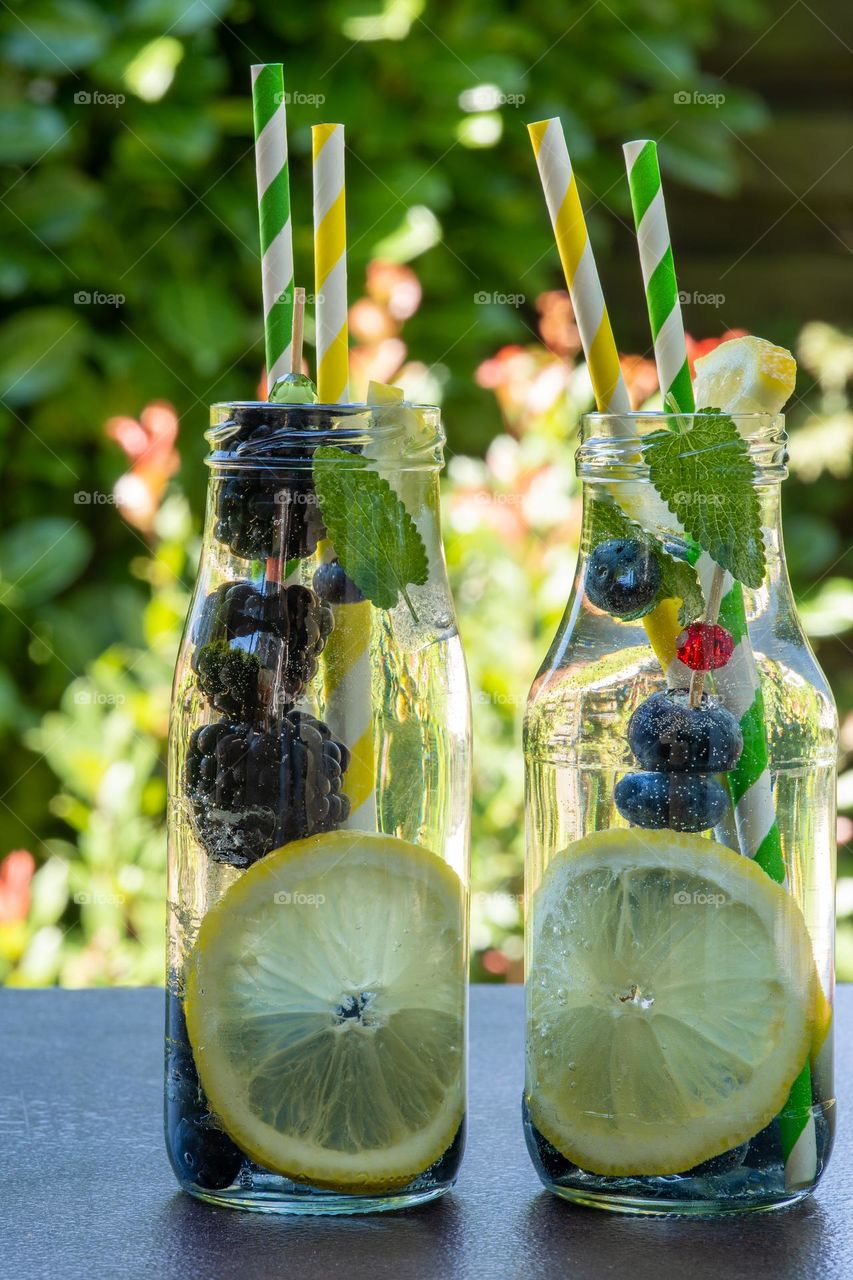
(129, 274)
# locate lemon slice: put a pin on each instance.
(745, 375)
(670, 1001)
(325, 1003)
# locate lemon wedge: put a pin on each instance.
(745, 375)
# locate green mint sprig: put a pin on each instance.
(678, 577)
(375, 538)
(706, 477)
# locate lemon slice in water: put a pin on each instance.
(325, 1003)
(670, 1001)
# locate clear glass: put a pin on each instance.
(324, 676)
(598, 671)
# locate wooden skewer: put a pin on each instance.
(712, 612)
(298, 329)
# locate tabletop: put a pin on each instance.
(88, 1192)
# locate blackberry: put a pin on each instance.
(230, 678)
(293, 615)
(251, 791)
(622, 576)
(274, 510)
(332, 584)
(258, 518)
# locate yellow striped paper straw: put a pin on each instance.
(330, 263)
(573, 244)
(596, 333)
(347, 676)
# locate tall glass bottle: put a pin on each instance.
(679, 1026)
(319, 797)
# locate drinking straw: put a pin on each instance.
(274, 214)
(347, 675)
(596, 334)
(330, 263)
(347, 665)
(738, 683)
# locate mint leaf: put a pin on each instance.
(678, 577)
(705, 476)
(375, 538)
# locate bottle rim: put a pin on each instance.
(611, 444)
(258, 434)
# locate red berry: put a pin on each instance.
(703, 647)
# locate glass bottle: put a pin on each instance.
(319, 808)
(608, 1079)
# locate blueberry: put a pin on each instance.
(199, 1151)
(680, 801)
(334, 586)
(666, 733)
(622, 576)
(204, 1155)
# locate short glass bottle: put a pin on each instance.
(596, 1091)
(319, 810)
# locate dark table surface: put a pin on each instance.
(87, 1190)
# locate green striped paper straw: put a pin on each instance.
(738, 683)
(271, 166)
(659, 275)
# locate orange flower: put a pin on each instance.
(16, 873)
(697, 347)
(150, 446)
(557, 323)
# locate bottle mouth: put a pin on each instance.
(611, 444)
(256, 433)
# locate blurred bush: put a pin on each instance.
(129, 298)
